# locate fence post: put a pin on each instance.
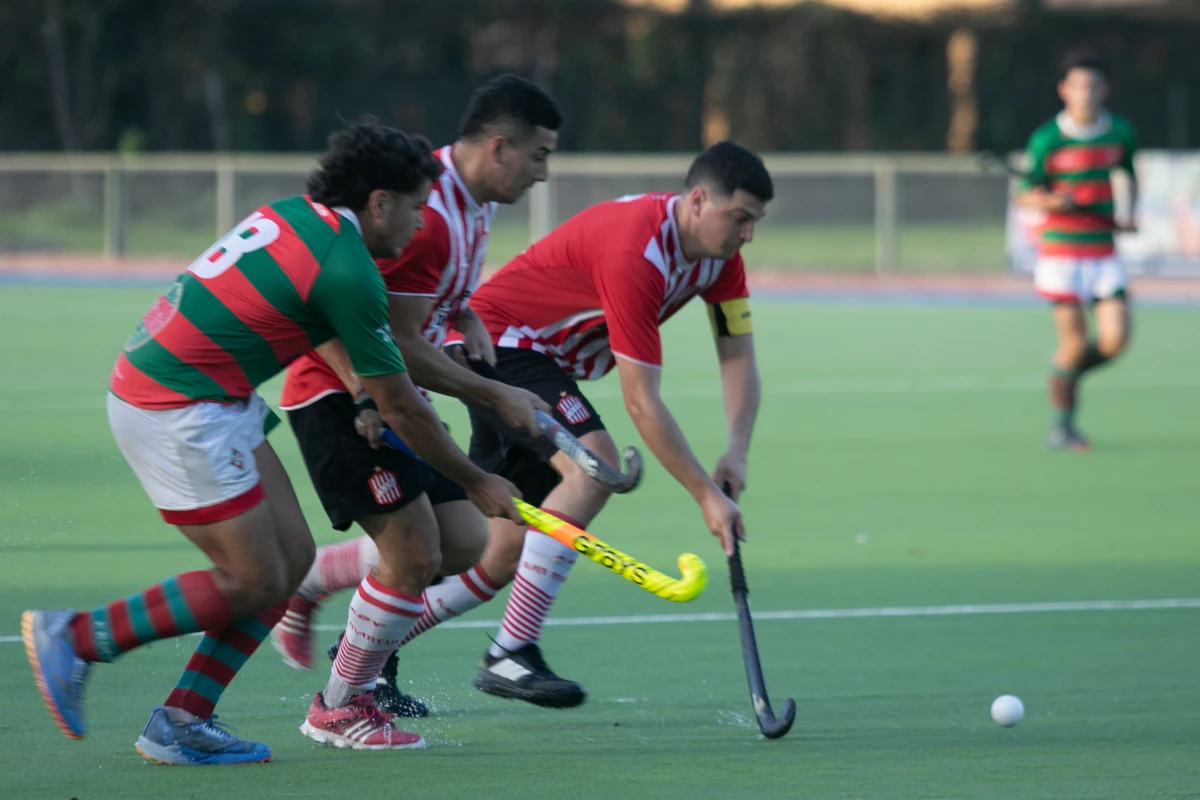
(226, 188)
(887, 244)
(114, 212)
(541, 209)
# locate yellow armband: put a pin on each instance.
(731, 318)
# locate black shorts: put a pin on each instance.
(352, 480)
(516, 455)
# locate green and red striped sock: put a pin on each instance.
(218, 659)
(1062, 395)
(185, 603)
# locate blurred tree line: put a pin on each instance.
(278, 74)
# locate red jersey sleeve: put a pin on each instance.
(418, 270)
(730, 284)
(631, 294)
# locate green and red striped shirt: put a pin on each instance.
(292, 275)
(1070, 160)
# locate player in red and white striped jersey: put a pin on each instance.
(506, 137)
(588, 297)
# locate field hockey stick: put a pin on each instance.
(991, 161)
(677, 590)
(593, 466)
(688, 587)
(619, 481)
(771, 726)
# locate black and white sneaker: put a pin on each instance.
(387, 697)
(524, 675)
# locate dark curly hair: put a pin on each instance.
(729, 166)
(366, 156)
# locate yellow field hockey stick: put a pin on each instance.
(677, 590)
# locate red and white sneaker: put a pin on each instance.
(358, 725)
(292, 637)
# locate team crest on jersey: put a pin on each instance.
(163, 310)
(573, 408)
(384, 486)
(384, 332)
(237, 459)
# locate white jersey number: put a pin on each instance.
(253, 233)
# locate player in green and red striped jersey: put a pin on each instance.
(1071, 160)
(182, 406)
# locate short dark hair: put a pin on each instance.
(365, 156)
(1083, 58)
(729, 167)
(513, 100)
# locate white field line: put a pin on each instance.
(797, 387)
(835, 613)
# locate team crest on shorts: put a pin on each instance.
(384, 486)
(573, 408)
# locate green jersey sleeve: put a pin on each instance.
(350, 297)
(1129, 138)
(1037, 153)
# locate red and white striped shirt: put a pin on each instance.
(442, 262)
(599, 286)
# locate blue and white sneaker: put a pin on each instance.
(59, 673)
(203, 742)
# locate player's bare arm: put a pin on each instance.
(640, 387)
(1130, 225)
(1043, 199)
(741, 391)
(477, 342)
(433, 370)
(410, 415)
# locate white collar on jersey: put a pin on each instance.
(677, 256)
(448, 163)
(1074, 130)
(350, 215)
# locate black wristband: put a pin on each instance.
(365, 403)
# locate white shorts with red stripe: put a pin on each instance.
(1064, 279)
(197, 462)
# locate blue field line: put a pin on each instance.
(960, 610)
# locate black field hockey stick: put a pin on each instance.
(772, 727)
(993, 161)
(617, 481)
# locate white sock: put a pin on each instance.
(339, 566)
(380, 618)
(540, 574)
(455, 595)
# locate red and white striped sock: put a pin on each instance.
(380, 618)
(455, 595)
(339, 566)
(543, 568)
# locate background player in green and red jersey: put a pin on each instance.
(183, 409)
(1071, 160)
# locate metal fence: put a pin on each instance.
(831, 212)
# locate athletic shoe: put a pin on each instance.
(388, 697)
(292, 637)
(393, 701)
(1065, 437)
(59, 673)
(524, 675)
(358, 725)
(199, 742)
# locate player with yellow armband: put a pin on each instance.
(588, 297)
